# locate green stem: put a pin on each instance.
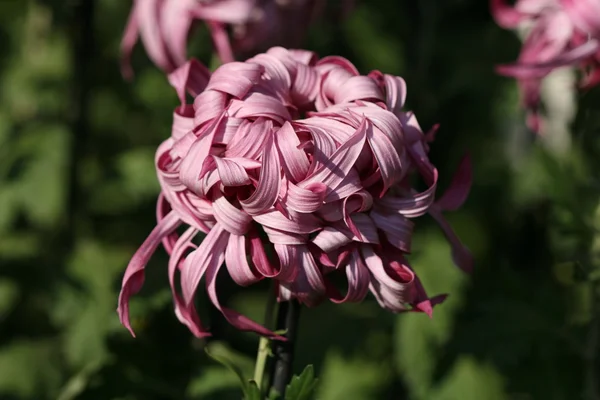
(263, 345)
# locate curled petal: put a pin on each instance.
(186, 313)
(134, 274)
(183, 123)
(395, 90)
(236, 260)
(235, 78)
(505, 15)
(293, 159)
(259, 256)
(192, 77)
(358, 280)
(459, 189)
(397, 282)
(250, 139)
(236, 319)
(191, 166)
(289, 261)
(398, 229)
(231, 172)
(269, 182)
(294, 222)
(231, 219)
(210, 254)
(411, 206)
(330, 239)
(460, 253)
(336, 169)
(305, 200)
(358, 88)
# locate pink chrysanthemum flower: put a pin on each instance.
(562, 33)
(164, 26)
(294, 168)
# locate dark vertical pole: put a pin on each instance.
(82, 50)
(283, 352)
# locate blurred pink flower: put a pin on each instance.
(164, 26)
(313, 154)
(562, 33)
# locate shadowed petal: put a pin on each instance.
(134, 274)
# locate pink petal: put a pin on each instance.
(459, 189)
(289, 262)
(175, 23)
(239, 321)
(134, 274)
(330, 238)
(235, 78)
(305, 200)
(358, 88)
(162, 210)
(229, 11)
(260, 105)
(293, 160)
(231, 173)
(130, 38)
(540, 69)
(388, 159)
(192, 76)
(185, 313)
(460, 253)
(398, 229)
(210, 254)
(148, 12)
(395, 90)
(309, 285)
(269, 182)
(250, 139)
(341, 161)
(209, 105)
(259, 256)
(295, 222)
(221, 41)
(191, 165)
(358, 280)
(230, 218)
(400, 288)
(305, 86)
(183, 123)
(236, 260)
(505, 15)
(410, 206)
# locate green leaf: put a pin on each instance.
(223, 355)
(29, 368)
(357, 377)
(211, 380)
(253, 392)
(470, 380)
(302, 387)
(77, 384)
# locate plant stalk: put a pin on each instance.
(263, 345)
(283, 351)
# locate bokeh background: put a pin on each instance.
(78, 189)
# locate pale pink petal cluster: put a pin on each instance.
(164, 27)
(297, 170)
(561, 33)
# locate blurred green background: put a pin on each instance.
(78, 190)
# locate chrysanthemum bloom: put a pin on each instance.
(561, 33)
(164, 26)
(293, 168)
